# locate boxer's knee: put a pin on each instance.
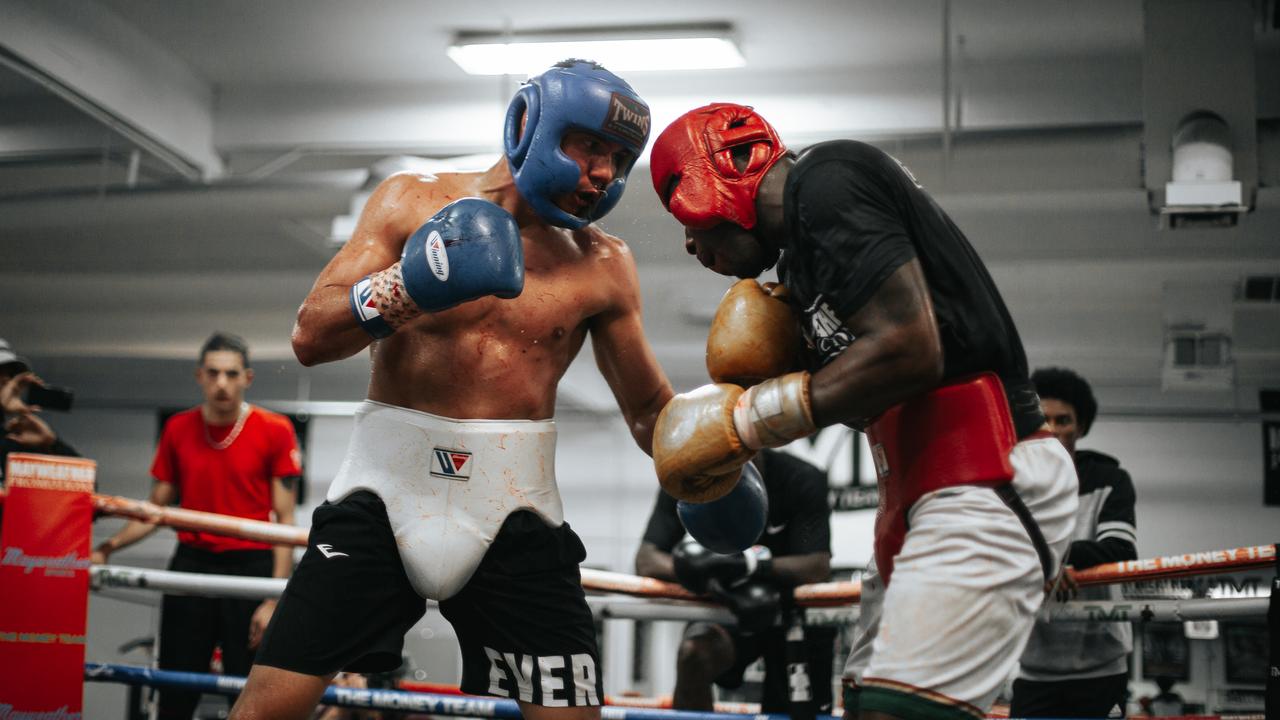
(705, 652)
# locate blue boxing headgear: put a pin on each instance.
(577, 94)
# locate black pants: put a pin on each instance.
(191, 627)
(819, 652)
(1087, 698)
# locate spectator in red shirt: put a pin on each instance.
(229, 457)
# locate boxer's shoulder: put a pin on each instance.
(417, 196)
(597, 244)
(611, 266)
(409, 185)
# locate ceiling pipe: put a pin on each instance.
(187, 170)
(135, 161)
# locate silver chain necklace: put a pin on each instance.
(231, 436)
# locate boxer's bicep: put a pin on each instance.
(899, 312)
(388, 218)
(896, 353)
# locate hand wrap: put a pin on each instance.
(775, 412)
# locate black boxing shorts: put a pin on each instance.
(522, 619)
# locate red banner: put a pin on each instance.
(44, 573)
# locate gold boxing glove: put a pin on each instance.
(696, 450)
(754, 335)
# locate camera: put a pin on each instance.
(48, 397)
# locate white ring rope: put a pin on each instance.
(105, 577)
(638, 608)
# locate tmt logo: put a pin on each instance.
(1108, 613)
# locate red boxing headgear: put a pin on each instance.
(697, 151)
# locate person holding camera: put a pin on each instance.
(24, 429)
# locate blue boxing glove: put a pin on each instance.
(469, 249)
(732, 523)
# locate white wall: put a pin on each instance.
(1199, 484)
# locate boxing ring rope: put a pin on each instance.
(199, 521)
(658, 703)
(450, 704)
(102, 577)
(1210, 562)
(641, 608)
(275, 533)
(827, 594)
(431, 703)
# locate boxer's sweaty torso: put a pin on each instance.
(493, 358)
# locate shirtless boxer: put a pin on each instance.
(448, 487)
(909, 339)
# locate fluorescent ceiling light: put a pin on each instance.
(702, 47)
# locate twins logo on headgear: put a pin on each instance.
(578, 94)
(696, 152)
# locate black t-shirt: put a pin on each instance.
(854, 215)
(799, 514)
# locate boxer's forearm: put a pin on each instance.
(865, 381)
(325, 329)
(801, 569)
(654, 563)
(643, 423)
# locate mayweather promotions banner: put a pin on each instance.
(44, 573)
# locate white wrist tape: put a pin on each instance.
(755, 555)
(774, 412)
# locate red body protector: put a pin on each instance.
(957, 434)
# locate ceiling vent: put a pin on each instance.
(1197, 359)
(1198, 336)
